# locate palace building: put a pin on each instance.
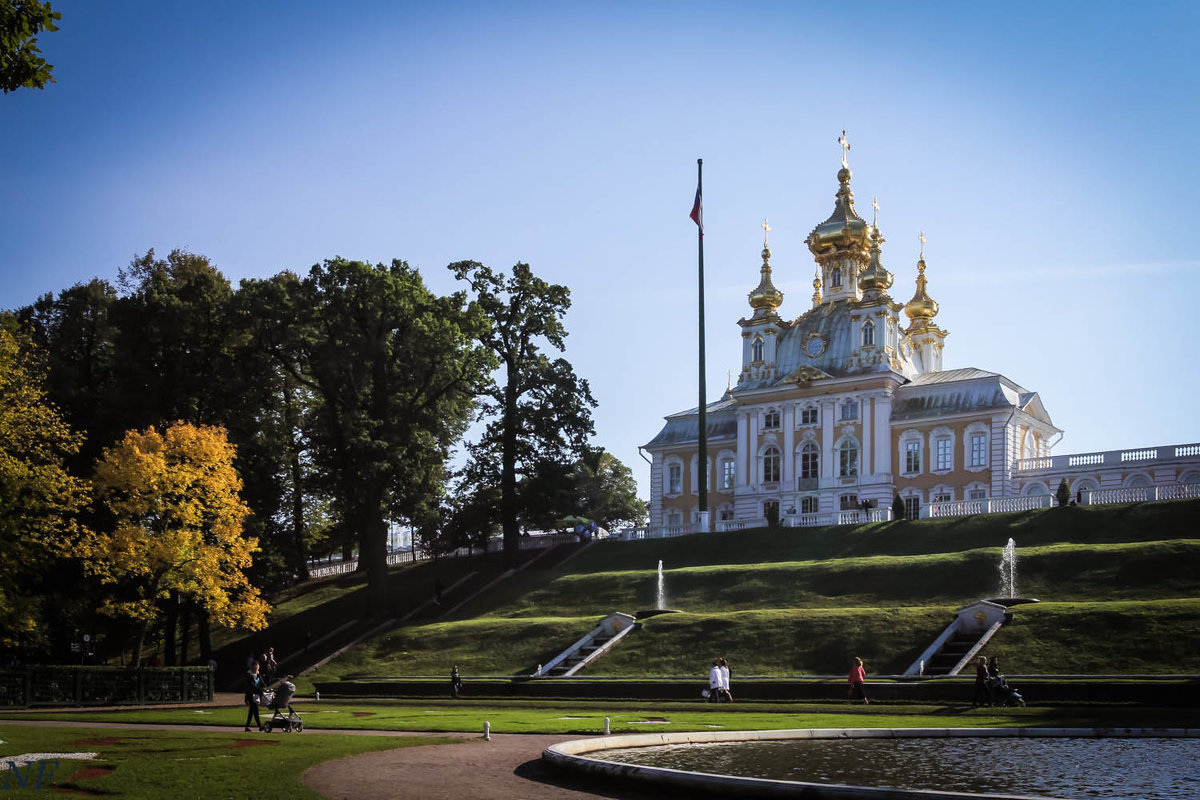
(840, 410)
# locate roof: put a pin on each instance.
(684, 427)
(965, 390)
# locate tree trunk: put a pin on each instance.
(508, 473)
(139, 643)
(373, 554)
(202, 633)
(169, 624)
(185, 630)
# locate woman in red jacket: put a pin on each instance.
(857, 677)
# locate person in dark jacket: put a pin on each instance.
(982, 689)
(254, 690)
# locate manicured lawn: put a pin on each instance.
(132, 764)
(587, 717)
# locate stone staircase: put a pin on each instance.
(599, 641)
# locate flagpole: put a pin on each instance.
(703, 474)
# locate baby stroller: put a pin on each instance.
(279, 701)
(1003, 694)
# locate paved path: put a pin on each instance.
(508, 766)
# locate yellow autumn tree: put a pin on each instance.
(39, 499)
(176, 528)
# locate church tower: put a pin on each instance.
(841, 244)
(876, 316)
(760, 333)
(926, 338)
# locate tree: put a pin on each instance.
(539, 410)
(39, 499)
(176, 529)
(1063, 493)
(898, 509)
(393, 369)
(607, 491)
(21, 64)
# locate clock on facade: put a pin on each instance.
(814, 346)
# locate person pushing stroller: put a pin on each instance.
(280, 700)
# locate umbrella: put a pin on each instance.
(572, 521)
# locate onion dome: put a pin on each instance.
(922, 308)
(845, 230)
(765, 298)
(875, 279)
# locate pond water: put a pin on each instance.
(1113, 769)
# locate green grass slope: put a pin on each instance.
(1120, 587)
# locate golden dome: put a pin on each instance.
(922, 307)
(845, 230)
(765, 298)
(875, 278)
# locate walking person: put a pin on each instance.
(714, 682)
(981, 683)
(254, 690)
(857, 681)
(455, 682)
(726, 695)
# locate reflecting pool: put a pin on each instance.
(1113, 769)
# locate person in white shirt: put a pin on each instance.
(714, 682)
(725, 693)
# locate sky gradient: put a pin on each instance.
(1048, 151)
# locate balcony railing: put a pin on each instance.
(1139, 456)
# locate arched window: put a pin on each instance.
(810, 461)
(770, 465)
(868, 335)
(673, 477)
(836, 277)
(756, 349)
(848, 458)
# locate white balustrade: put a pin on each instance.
(1142, 456)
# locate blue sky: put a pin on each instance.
(1046, 149)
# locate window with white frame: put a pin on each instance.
(943, 453)
(674, 478)
(977, 493)
(848, 458)
(942, 496)
(835, 280)
(848, 502)
(868, 334)
(808, 416)
(979, 450)
(770, 465)
(912, 507)
(728, 473)
(810, 461)
(673, 516)
(756, 349)
(771, 419)
(912, 456)
(849, 410)
(808, 505)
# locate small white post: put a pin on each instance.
(487, 731)
(607, 726)
(318, 697)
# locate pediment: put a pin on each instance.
(807, 374)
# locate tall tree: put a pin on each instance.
(606, 490)
(538, 409)
(21, 62)
(176, 529)
(394, 372)
(39, 499)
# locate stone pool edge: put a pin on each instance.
(573, 756)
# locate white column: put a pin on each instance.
(745, 457)
(883, 435)
(827, 455)
(866, 437)
(787, 419)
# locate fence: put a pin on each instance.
(21, 687)
(318, 570)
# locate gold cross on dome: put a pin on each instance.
(845, 143)
(922, 238)
(875, 205)
(766, 226)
